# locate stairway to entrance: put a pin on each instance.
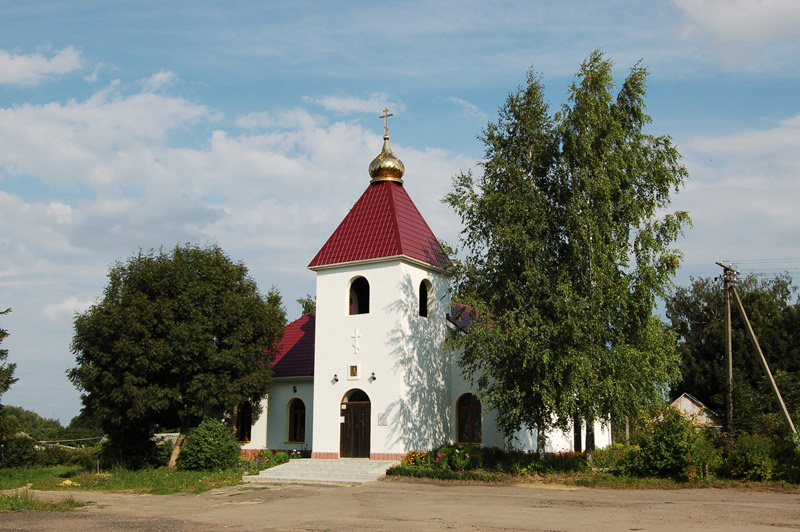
(313, 471)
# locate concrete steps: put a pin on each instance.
(315, 471)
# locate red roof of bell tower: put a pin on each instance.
(384, 222)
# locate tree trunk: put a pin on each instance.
(589, 451)
(576, 433)
(176, 449)
(541, 441)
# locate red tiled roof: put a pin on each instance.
(384, 222)
(295, 356)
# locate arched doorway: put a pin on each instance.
(355, 426)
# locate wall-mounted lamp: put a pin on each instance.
(335, 378)
(373, 377)
(294, 389)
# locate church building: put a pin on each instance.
(368, 375)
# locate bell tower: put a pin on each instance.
(381, 377)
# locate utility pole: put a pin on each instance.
(729, 287)
(764, 366)
(727, 283)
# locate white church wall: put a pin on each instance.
(258, 431)
(343, 340)
(420, 416)
(523, 439)
(409, 392)
(281, 395)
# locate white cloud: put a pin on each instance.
(755, 34)
(65, 310)
(742, 195)
(160, 80)
(108, 141)
(32, 69)
(351, 104)
(468, 108)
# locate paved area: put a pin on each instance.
(405, 505)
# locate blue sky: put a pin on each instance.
(127, 125)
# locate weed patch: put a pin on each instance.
(25, 500)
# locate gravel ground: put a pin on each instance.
(406, 505)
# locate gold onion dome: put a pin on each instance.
(386, 166)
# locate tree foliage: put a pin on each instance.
(308, 305)
(565, 254)
(178, 336)
(8, 426)
(6, 368)
(697, 314)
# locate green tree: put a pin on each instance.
(7, 424)
(308, 304)
(697, 314)
(565, 255)
(33, 424)
(6, 368)
(178, 336)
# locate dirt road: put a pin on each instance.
(394, 505)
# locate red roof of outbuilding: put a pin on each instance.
(295, 356)
(384, 222)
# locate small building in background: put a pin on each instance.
(693, 409)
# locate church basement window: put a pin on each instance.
(359, 296)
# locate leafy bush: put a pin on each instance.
(566, 461)
(52, 455)
(616, 457)
(162, 453)
(17, 451)
(443, 473)
(262, 460)
(281, 457)
(788, 453)
(752, 458)
(672, 446)
(211, 446)
(472, 458)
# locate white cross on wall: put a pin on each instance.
(355, 338)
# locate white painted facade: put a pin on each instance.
(403, 350)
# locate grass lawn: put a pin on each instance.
(155, 481)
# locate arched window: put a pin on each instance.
(244, 420)
(469, 419)
(424, 290)
(359, 296)
(297, 421)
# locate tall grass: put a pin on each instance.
(25, 500)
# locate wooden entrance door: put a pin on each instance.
(354, 438)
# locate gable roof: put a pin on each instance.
(460, 316)
(295, 357)
(383, 223)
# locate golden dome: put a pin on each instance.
(386, 166)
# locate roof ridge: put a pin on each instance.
(393, 206)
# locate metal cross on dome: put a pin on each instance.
(385, 118)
